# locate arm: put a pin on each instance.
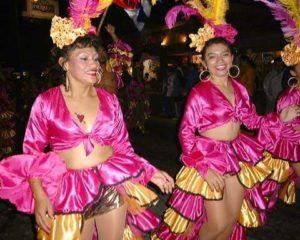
(187, 134)
(111, 30)
(191, 156)
(35, 141)
(36, 134)
(121, 144)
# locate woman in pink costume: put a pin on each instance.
(209, 201)
(284, 143)
(91, 179)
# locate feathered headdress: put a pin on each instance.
(288, 13)
(64, 31)
(212, 14)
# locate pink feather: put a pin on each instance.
(173, 13)
(82, 10)
(281, 14)
(226, 31)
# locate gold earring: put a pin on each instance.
(99, 75)
(204, 78)
(292, 84)
(237, 69)
(67, 85)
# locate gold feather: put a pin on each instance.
(197, 4)
(220, 8)
(294, 10)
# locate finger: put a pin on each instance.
(43, 223)
(50, 212)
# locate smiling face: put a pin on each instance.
(218, 60)
(82, 65)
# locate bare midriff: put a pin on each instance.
(76, 158)
(226, 132)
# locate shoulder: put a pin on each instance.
(48, 95)
(105, 95)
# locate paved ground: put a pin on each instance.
(160, 146)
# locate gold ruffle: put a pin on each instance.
(287, 192)
(175, 221)
(138, 197)
(280, 169)
(251, 175)
(128, 234)
(64, 226)
(249, 217)
(189, 180)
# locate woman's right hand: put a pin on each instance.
(43, 212)
(43, 209)
(215, 180)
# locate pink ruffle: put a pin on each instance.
(118, 169)
(143, 222)
(188, 205)
(166, 234)
(223, 156)
(285, 145)
(16, 170)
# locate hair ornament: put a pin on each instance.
(211, 13)
(288, 13)
(64, 31)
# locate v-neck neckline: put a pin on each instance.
(233, 105)
(74, 119)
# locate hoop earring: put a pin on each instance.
(238, 71)
(204, 79)
(291, 84)
(99, 75)
(67, 85)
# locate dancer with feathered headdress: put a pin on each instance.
(91, 181)
(217, 191)
(286, 147)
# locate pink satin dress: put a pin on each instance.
(285, 148)
(71, 191)
(207, 108)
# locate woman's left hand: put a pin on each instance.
(289, 113)
(163, 181)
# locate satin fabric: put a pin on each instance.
(50, 122)
(286, 145)
(73, 191)
(208, 108)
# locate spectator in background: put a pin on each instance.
(272, 84)
(172, 91)
(247, 74)
(191, 78)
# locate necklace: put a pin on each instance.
(80, 117)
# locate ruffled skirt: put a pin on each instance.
(72, 192)
(242, 157)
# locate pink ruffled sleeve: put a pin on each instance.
(36, 135)
(122, 145)
(187, 134)
(249, 117)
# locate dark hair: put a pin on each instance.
(55, 70)
(215, 40)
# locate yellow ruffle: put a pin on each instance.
(287, 192)
(175, 221)
(280, 168)
(249, 217)
(189, 180)
(138, 197)
(64, 226)
(251, 175)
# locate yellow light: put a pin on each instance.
(164, 41)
